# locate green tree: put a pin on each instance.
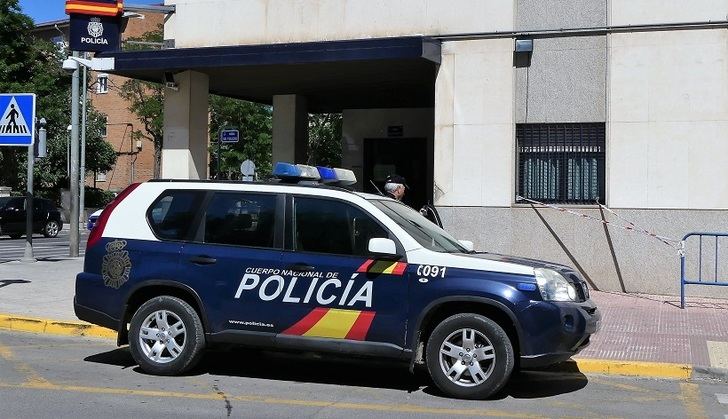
(104, 155)
(324, 139)
(255, 123)
(146, 100)
(28, 64)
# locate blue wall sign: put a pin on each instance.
(17, 121)
(229, 136)
(94, 33)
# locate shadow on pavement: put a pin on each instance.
(313, 368)
(6, 282)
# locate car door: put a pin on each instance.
(337, 289)
(235, 253)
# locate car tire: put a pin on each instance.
(166, 336)
(51, 229)
(452, 356)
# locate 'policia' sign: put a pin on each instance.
(94, 33)
(95, 24)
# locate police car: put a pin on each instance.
(304, 264)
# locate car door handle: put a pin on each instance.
(301, 267)
(203, 260)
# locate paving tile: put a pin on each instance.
(654, 328)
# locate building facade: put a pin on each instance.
(479, 103)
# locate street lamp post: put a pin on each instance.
(72, 64)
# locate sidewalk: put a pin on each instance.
(635, 328)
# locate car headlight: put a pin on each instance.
(553, 286)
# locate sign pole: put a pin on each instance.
(82, 192)
(73, 250)
(28, 255)
(219, 144)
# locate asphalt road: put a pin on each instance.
(43, 248)
(48, 376)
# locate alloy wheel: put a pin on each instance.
(467, 357)
(162, 336)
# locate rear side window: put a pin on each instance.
(172, 214)
(241, 219)
(326, 226)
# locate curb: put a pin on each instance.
(634, 368)
(575, 365)
(54, 327)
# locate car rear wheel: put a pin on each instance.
(51, 229)
(166, 336)
(469, 356)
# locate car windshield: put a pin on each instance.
(420, 228)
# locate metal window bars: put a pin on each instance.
(561, 163)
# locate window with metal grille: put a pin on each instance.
(102, 84)
(561, 163)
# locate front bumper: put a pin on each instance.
(552, 332)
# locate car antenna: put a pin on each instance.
(375, 187)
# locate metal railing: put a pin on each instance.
(700, 280)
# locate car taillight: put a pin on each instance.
(98, 229)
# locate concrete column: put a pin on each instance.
(290, 129)
(185, 155)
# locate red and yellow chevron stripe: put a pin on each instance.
(95, 7)
(382, 267)
(333, 323)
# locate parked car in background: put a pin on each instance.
(46, 217)
(92, 219)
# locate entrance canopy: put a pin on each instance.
(335, 75)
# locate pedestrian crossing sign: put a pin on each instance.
(17, 121)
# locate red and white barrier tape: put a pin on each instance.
(630, 226)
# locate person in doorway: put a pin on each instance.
(395, 187)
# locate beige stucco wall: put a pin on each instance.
(667, 138)
(200, 23)
(474, 140)
(626, 12)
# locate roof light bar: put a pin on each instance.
(301, 173)
(346, 177)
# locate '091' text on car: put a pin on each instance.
(176, 266)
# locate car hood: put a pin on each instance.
(533, 263)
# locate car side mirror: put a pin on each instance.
(467, 244)
(382, 247)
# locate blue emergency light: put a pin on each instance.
(301, 173)
(328, 175)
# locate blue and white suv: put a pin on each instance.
(175, 266)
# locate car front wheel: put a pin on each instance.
(166, 336)
(51, 229)
(469, 356)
